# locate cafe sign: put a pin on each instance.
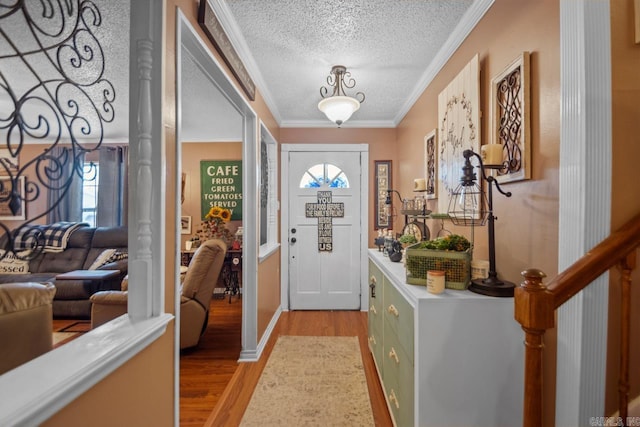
(221, 185)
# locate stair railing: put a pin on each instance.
(535, 305)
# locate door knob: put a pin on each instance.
(293, 240)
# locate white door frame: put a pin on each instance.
(189, 42)
(363, 149)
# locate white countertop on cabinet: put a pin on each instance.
(469, 354)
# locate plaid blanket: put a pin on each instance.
(57, 235)
(53, 237)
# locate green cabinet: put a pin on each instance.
(391, 336)
(452, 359)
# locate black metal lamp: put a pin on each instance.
(388, 202)
(466, 208)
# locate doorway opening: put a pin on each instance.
(206, 95)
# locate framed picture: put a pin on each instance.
(431, 164)
(8, 164)
(510, 119)
(5, 199)
(458, 128)
(185, 225)
(382, 184)
(214, 31)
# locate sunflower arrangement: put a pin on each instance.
(214, 225)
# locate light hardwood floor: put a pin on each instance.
(215, 390)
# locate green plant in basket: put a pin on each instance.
(453, 242)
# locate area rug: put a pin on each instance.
(60, 338)
(70, 332)
(311, 381)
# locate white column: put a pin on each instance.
(585, 203)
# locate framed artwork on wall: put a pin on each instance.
(458, 128)
(510, 119)
(5, 199)
(185, 225)
(9, 165)
(431, 164)
(382, 184)
(216, 34)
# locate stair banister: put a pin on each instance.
(535, 305)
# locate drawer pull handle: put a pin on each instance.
(393, 310)
(372, 340)
(373, 310)
(393, 355)
(394, 399)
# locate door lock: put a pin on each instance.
(293, 240)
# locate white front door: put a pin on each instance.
(324, 230)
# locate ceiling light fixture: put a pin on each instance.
(338, 107)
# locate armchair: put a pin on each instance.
(195, 295)
(25, 322)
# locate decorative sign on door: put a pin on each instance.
(221, 185)
(325, 210)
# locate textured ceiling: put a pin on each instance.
(289, 47)
(393, 48)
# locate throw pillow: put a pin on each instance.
(102, 259)
(10, 264)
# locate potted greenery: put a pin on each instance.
(407, 239)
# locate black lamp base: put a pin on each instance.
(492, 287)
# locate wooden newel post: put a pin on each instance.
(534, 311)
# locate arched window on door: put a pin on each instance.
(324, 175)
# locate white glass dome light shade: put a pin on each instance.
(338, 109)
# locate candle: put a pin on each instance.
(435, 281)
(419, 184)
(491, 154)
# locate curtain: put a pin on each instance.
(113, 192)
(69, 206)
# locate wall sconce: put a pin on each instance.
(466, 208)
(339, 107)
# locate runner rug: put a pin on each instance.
(311, 381)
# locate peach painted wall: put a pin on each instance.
(382, 146)
(527, 226)
(625, 193)
(142, 389)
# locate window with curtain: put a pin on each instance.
(112, 206)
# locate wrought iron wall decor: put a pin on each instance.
(52, 73)
(510, 113)
(382, 183)
(431, 164)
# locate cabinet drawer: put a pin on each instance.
(399, 391)
(376, 347)
(375, 293)
(398, 314)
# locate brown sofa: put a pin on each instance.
(25, 322)
(196, 293)
(84, 246)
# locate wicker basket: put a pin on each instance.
(456, 265)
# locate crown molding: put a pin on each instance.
(328, 124)
(468, 22)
